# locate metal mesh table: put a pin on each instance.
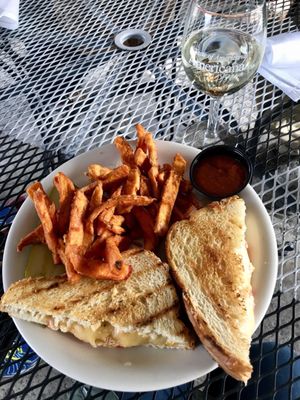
(65, 88)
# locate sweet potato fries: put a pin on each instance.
(134, 203)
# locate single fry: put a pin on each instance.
(66, 189)
(112, 253)
(33, 237)
(141, 133)
(146, 223)
(179, 164)
(116, 176)
(76, 236)
(133, 182)
(46, 211)
(132, 186)
(97, 172)
(33, 188)
(125, 151)
(142, 160)
(169, 195)
(72, 275)
(152, 173)
(139, 157)
(152, 151)
(96, 198)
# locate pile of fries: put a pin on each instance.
(122, 207)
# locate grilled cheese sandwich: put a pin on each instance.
(143, 310)
(209, 261)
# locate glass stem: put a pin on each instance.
(213, 118)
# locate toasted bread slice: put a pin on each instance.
(209, 260)
(142, 310)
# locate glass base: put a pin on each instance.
(201, 137)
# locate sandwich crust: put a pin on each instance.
(235, 367)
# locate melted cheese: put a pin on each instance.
(107, 333)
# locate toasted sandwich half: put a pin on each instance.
(142, 310)
(209, 260)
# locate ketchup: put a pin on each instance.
(220, 175)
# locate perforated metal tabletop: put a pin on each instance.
(66, 88)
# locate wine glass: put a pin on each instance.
(222, 48)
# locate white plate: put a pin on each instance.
(135, 369)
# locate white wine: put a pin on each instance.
(220, 61)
